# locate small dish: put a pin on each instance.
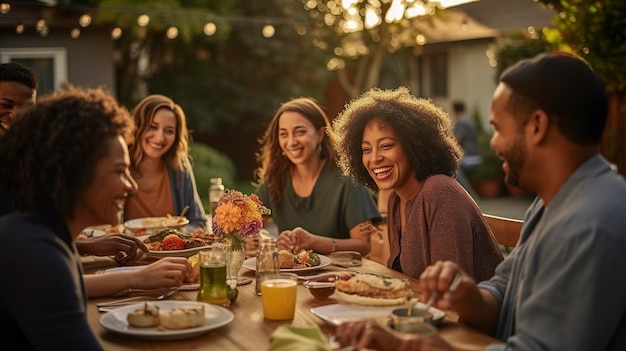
(320, 290)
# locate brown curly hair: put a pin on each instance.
(177, 156)
(48, 157)
(274, 165)
(424, 130)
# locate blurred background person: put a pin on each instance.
(18, 87)
(314, 206)
(467, 136)
(392, 140)
(161, 165)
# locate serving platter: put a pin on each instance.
(336, 314)
(216, 317)
(250, 264)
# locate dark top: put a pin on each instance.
(335, 205)
(43, 302)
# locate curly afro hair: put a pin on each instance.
(423, 129)
(48, 157)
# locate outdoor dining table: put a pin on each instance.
(250, 331)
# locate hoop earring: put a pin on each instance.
(319, 149)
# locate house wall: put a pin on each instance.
(470, 77)
(89, 57)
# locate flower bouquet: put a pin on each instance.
(238, 216)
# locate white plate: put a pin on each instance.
(325, 261)
(336, 314)
(178, 253)
(216, 317)
(138, 226)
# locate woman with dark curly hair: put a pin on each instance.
(314, 206)
(66, 165)
(391, 140)
(160, 164)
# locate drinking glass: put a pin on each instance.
(278, 294)
(213, 287)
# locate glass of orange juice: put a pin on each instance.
(278, 294)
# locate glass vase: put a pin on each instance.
(235, 255)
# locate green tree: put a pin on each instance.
(229, 82)
(596, 31)
(372, 43)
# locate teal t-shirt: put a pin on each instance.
(335, 205)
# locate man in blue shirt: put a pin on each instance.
(564, 285)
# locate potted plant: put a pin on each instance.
(488, 179)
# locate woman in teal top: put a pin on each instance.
(314, 206)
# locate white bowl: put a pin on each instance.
(152, 225)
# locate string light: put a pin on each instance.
(268, 31)
(143, 20)
(84, 20)
(5, 8)
(172, 33)
(116, 33)
(19, 29)
(75, 33)
(210, 28)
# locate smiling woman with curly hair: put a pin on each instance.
(393, 141)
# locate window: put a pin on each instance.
(49, 64)
(439, 74)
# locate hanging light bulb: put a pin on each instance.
(268, 31)
(41, 25)
(116, 33)
(210, 28)
(143, 20)
(172, 33)
(84, 20)
(19, 29)
(5, 8)
(75, 33)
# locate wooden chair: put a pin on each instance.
(506, 230)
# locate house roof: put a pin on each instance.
(487, 19)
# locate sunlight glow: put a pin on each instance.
(395, 12)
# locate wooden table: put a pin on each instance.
(250, 331)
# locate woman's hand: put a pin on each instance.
(124, 248)
(164, 273)
(295, 240)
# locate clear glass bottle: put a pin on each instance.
(216, 190)
(267, 263)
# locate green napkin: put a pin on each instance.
(302, 338)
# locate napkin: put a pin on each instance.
(302, 338)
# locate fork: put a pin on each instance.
(131, 300)
(455, 282)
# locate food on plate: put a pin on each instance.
(302, 259)
(173, 242)
(145, 317)
(157, 242)
(194, 262)
(372, 290)
(183, 317)
(285, 258)
(161, 234)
